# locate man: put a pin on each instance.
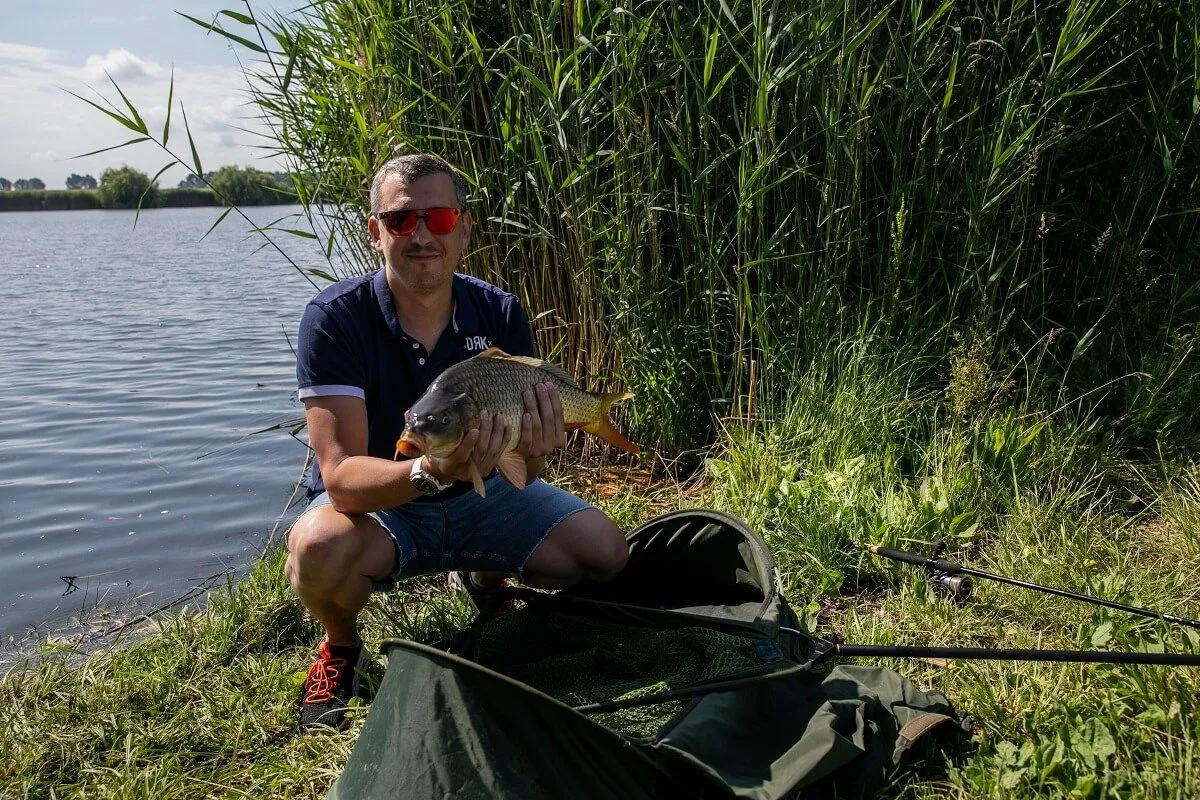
(368, 348)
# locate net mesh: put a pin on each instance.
(580, 660)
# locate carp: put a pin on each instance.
(495, 381)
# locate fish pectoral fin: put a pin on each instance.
(512, 467)
(477, 479)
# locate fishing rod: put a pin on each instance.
(957, 579)
(822, 649)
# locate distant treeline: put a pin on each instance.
(87, 199)
(128, 188)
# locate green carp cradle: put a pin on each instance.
(494, 381)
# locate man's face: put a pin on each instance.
(421, 262)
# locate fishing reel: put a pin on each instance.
(959, 587)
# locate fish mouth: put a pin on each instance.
(408, 446)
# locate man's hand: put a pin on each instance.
(542, 427)
(483, 445)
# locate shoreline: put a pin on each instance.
(89, 200)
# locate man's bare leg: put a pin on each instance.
(585, 546)
(332, 560)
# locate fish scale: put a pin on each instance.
(495, 381)
(499, 388)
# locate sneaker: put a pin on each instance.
(332, 680)
(488, 601)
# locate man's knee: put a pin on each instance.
(612, 553)
(600, 546)
(323, 548)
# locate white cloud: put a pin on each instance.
(44, 126)
(120, 65)
(11, 51)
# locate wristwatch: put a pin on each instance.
(423, 481)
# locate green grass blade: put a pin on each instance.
(199, 170)
(244, 42)
(137, 118)
(170, 102)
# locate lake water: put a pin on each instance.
(134, 363)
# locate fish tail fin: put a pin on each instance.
(603, 429)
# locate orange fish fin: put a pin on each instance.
(493, 352)
(603, 428)
(512, 467)
(574, 426)
(477, 479)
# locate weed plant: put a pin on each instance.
(698, 197)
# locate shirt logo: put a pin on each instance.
(477, 343)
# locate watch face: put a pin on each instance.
(425, 484)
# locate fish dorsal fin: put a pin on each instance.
(529, 361)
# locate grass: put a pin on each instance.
(868, 271)
(203, 707)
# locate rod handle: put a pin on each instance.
(940, 564)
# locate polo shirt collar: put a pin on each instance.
(462, 316)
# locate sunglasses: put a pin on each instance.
(440, 221)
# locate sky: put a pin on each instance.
(51, 47)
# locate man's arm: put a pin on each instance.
(356, 482)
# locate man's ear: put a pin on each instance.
(467, 222)
(373, 229)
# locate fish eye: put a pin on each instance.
(445, 420)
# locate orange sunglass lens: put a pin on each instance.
(440, 221)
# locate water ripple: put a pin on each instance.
(131, 353)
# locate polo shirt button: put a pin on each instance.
(421, 361)
(416, 345)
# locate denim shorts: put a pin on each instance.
(468, 532)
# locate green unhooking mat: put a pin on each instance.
(491, 713)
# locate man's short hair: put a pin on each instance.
(412, 167)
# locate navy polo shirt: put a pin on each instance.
(351, 343)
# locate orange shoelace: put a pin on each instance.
(323, 675)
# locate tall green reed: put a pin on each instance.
(699, 197)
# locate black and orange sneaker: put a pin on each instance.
(332, 681)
